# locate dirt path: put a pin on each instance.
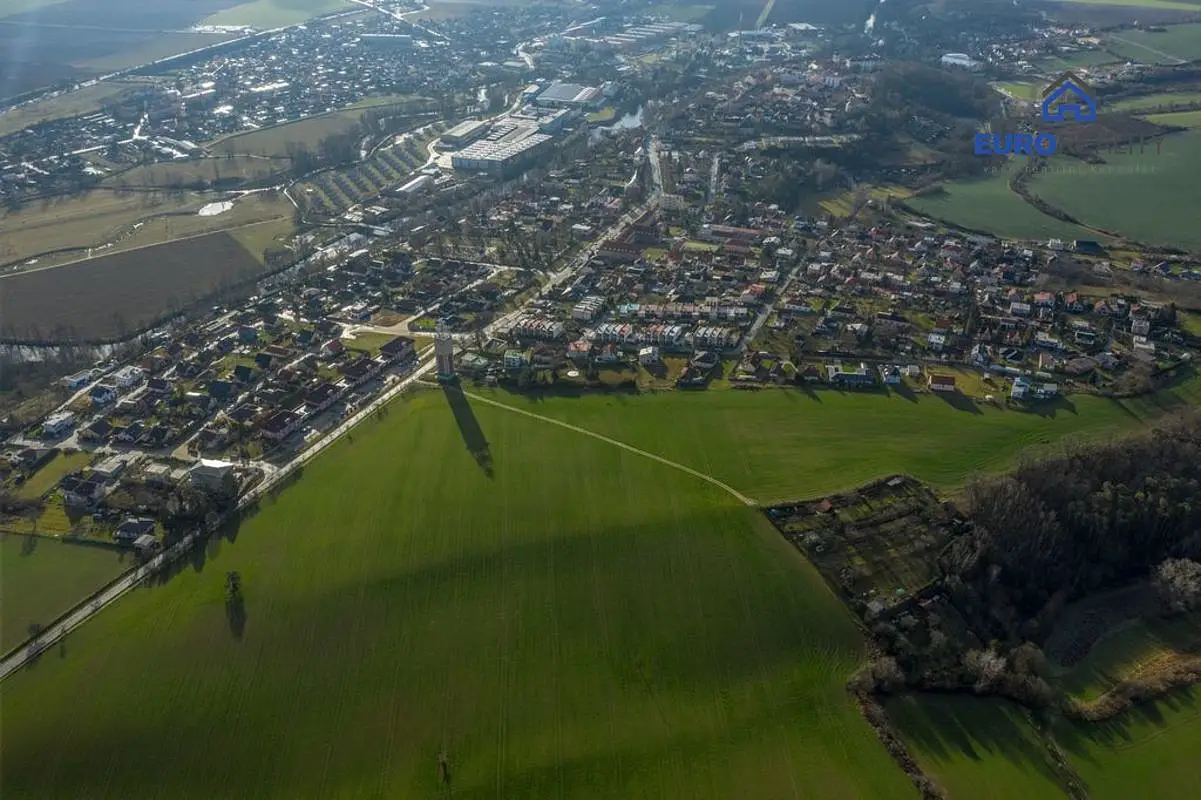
(667, 462)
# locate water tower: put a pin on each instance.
(444, 353)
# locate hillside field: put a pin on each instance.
(573, 620)
(41, 578)
(1154, 101)
(989, 205)
(1149, 196)
(276, 13)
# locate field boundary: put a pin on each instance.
(742, 498)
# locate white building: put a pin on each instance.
(58, 424)
(960, 61)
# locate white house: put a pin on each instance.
(58, 424)
(648, 355)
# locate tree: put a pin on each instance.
(1178, 582)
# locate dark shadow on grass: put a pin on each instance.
(904, 391)
(959, 402)
(29, 545)
(1049, 408)
(469, 427)
(235, 615)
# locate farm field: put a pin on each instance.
(41, 578)
(1153, 101)
(1173, 5)
(976, 748)
(1020, 89)
(113, 295)
(1149, 196)
(1174, 45)
(989, 205)
(590, 623)
(789, 444)
(1081, 59)
(276, 13)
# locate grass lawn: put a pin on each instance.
(275, 13)
(367, 341)
(41, 578)
(1154, 101)
(200, 169)
(576, 621)
(52, 473)
(1148, 196)
(1076, 60)
(1020, 89)
(1182, 119)
(976, 748)
(790, 444)
(988, 205)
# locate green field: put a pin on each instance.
(790, 444)
(1150, 751)
(1154, 101)
(41, 578)
(1176, 44)
(1183, 119)
(276, 13)
(989, 205)
(1075, 60)
(1148, 196)
(976, 748)
(577, 620)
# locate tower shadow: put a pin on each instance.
(469, 427)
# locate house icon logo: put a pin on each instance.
(1069, 98)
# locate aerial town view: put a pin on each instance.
(741, 399)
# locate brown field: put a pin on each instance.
(106, 297)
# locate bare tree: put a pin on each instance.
(1178, 581)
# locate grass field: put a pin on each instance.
(84, 101)
(41, 578)
(1149, 196)
(1183, 119)
(1175, 44)
(203, 169)
(274, 141)
(576, 620)
(1149, 751)
(790, 444)
(1077, 60)
(46, 477)
(1154, 101)
(276, 13)
(103, 217)
(989, 205)
(1020, 89)
(1172, 5)
(976, 748)
(1135, 651)
(114, 295)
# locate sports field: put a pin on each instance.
(989, 205)
(976, 748)
(41, 578)
(1149, 196)
(562, 618)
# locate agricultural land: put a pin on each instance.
(114, 295)
(494, 631)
